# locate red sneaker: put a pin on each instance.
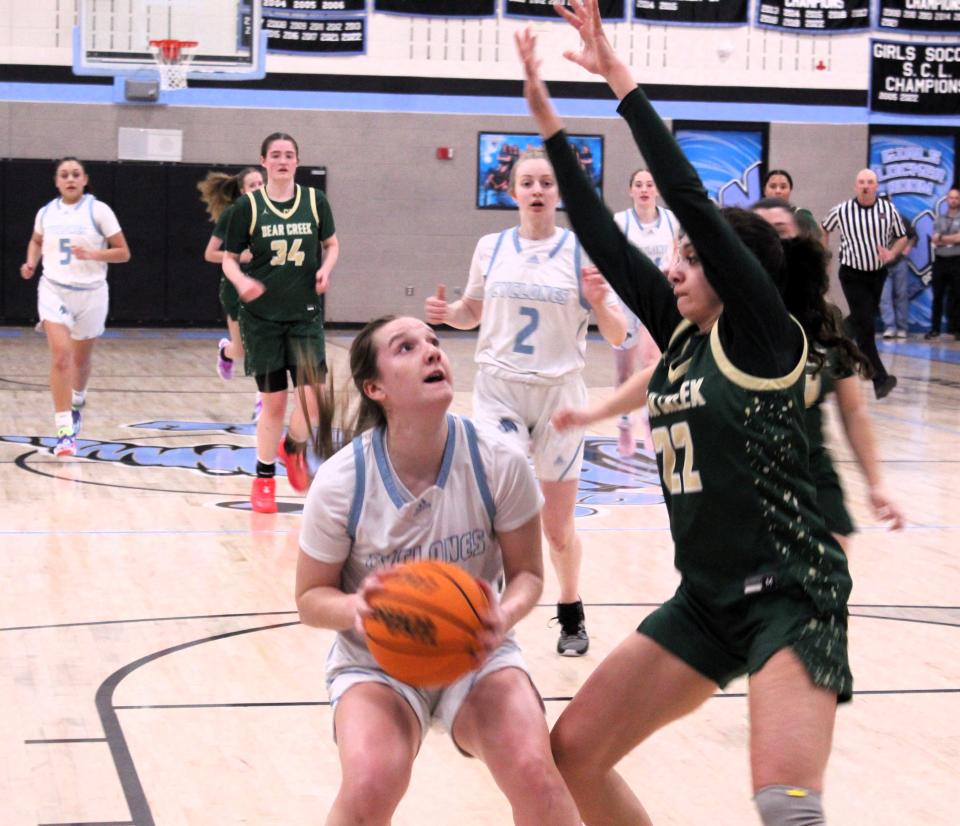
(263, 495)
(296, 464)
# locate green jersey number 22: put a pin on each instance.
(669, 443)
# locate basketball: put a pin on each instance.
(424, 621)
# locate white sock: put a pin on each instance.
(79, 397)
(63, 420)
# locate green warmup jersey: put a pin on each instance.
(722, 437)
(284, 239)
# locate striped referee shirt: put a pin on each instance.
(863, 229)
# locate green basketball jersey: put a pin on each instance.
(284, 239)
(732, 452)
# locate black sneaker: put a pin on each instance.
(931, 335)
(573, 641)
(883, 389)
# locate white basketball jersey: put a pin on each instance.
(359, 513)
(88, 223)
(534, 322)
(657, 240)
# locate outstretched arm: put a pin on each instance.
(635, 278)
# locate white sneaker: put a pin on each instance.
(889, 332)
(901, 333)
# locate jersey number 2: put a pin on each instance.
(668, 442)
(283, 253)
(526, 332)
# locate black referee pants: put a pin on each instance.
(862, 289)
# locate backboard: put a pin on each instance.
(113, 36)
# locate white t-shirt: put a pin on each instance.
(88, 223)
(657, 240)
(360, 514)
(534, 323)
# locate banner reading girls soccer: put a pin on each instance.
(916, 172)
(934, 16)
(438, 8)
(692, 12)
(727, 161)
(915, 78)
(609, 9)
(814, 16)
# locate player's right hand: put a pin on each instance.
(251, 289)
(436, 308)
(27, 270)
(370, 587)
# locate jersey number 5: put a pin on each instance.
(668, 442)
(65, 251)
(527, 331)
(282, 253)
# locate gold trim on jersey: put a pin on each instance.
(745, 380)
(253, 212)
(678, 367)
(313, 207)
(282, 213)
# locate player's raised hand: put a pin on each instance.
(534, 89)
(595, 287)
(436, 308)
(596, 55)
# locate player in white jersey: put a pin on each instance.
(420, 483)
(654, 230)
(76, 236)
(529, 295)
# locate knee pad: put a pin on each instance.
(789, 806)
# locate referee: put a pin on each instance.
(872, 234)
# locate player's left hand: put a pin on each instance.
(885, 509)
(323, 281)
(494, 629)
(82, 253)
(595, 287)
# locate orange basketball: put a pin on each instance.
(422, 630)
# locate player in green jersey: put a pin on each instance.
(836, 371)
(763, 586)
(218, 191)
(285, 227)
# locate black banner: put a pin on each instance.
(812, 16)
(692, 12)
(915, 78)
(316, 35)
(938, 16)
(438, 8)
(307, 6)
(609, 9)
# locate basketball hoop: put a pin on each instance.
(173, 61)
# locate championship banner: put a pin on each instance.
(609, 9)
(691, 12)
(293, 34)
(934, 16)
(438, 8)
(915, 78)
(916, 172)
(727, 161)
(815, 16)
(318, 6)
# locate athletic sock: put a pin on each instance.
(266, 470)
(223, 354)
(63, 421)
(79, 398)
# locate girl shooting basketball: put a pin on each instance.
(419, 483)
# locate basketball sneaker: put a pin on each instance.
(294, 458)
(573, 641)
(66, 444)
(224, 365)
(77, 420)
(263, 495)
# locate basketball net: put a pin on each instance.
(172, 62)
